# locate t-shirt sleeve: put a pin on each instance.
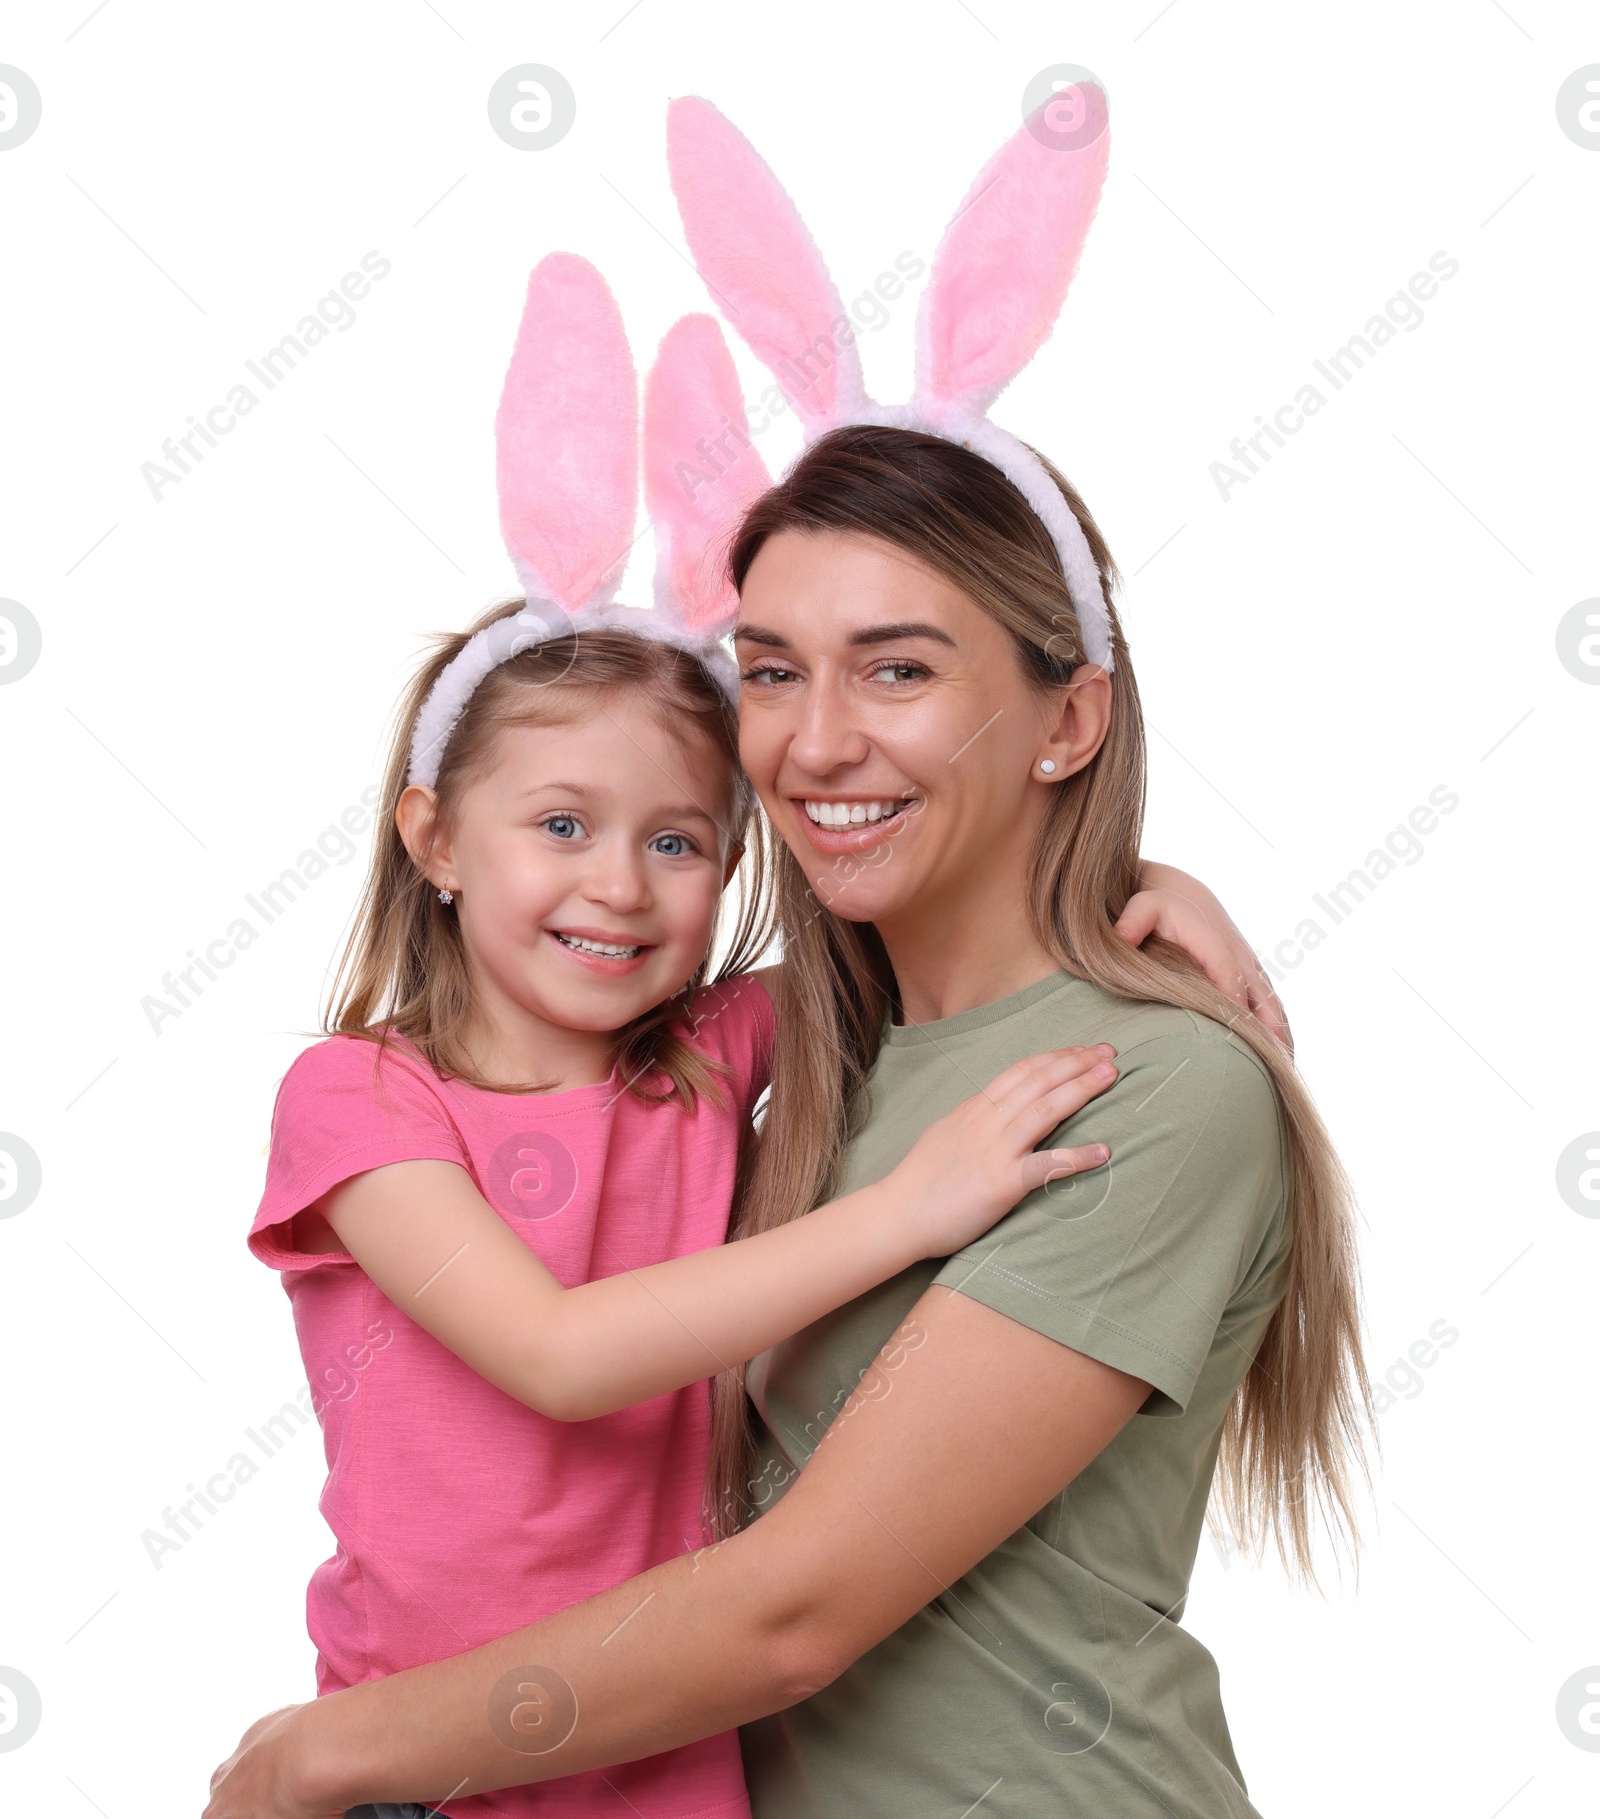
(1136, 1263)
(344, 1107)
(734, 1022)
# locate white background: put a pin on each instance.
(1371, 616)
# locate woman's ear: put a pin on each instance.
(426, 839)
(1081, 713)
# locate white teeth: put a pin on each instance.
(852, 814)
(610, 950)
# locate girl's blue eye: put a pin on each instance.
(564, 827)
(673, 846)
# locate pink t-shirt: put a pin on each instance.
(460, 1514)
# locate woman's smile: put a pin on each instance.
(852, 824)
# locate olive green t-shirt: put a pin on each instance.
(1056, 1677)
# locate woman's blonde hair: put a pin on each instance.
(404, 971)
(1299, 1419)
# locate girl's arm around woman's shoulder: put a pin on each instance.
(442, 1254)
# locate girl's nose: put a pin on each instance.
(617, 878)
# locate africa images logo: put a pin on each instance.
(534, 1175)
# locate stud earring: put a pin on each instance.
(1048, 766)
(447, 896)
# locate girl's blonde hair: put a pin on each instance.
(404, 972)
(1299, 1420)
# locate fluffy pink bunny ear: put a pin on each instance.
(1002, 270)
(761, 264)
(701, 472)
(567, 438)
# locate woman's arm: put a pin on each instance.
(440, 1252)
(1180, 909)
(867, 1535)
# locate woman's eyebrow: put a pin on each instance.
(869, 634)
(901, 628)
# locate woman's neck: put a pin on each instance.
(952, 958)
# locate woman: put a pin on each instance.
(971, 1592)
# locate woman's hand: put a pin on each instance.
(974, 1164)
(256, 1782)
(1181, 910)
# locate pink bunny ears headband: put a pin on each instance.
(998, 282)
(567, 431)
(567, 464)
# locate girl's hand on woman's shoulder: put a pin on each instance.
(970, 1167)
(1181, 910)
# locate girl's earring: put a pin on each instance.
(1048, 766)
(447, 896)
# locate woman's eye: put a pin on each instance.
(771, 673)
(894, 671)
(673, 846)
(564, 827)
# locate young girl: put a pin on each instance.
(499, 1193)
